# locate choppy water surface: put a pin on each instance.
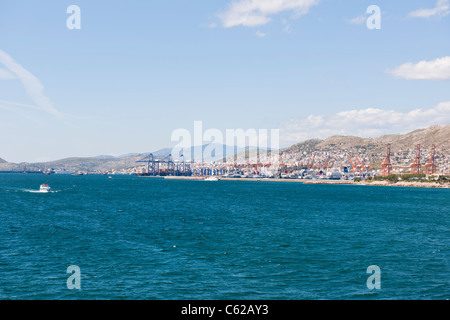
(150, 238)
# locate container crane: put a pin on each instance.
(386, 166)
(430, 167)
(354, 168)
(416, 167)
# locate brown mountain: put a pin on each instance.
(403, 147)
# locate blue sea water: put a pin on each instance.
(150, 238)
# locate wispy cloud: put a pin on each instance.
(6, 75)
(32, 84)
(358, 20)
(12, 107)
(371, 122)
(251, 13)
(442, 9)
(29, 106)
(260, 34)
(438, 69)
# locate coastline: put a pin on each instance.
(334, 182)
(234, 179)
(385, 184)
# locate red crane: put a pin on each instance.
(386, 166)
(353, 165)
(416, 167)
(366, 166)
(430, 167)
(360, 166)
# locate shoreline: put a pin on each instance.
(333, 182)
(234, 179)
(386, 184)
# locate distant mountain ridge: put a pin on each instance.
(103, 163)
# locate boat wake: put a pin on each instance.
(38, 191)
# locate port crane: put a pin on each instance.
(386, 166)
(416, 167)
(359, 167)
(354, 168)
(364, 167)
(154, 165)
(430, 167)
(150, 160)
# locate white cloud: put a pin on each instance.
(33, 85)
(6, 75)
(438, 69)
(358, 20)
(442, 9)
(260, 34)
(251, 13)
(369, 122)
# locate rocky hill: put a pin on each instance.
(369, 150)
(438, 135)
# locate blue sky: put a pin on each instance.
(138, 70)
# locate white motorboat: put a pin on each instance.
(45, 188)
(211, 179)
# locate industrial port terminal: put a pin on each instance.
(281, 168)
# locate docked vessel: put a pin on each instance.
(334, 175)
(211, 179)
(45, 188)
